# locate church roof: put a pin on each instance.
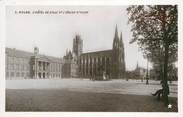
(96, 53)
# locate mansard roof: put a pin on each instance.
(24, 54)
(18, 53)
(55, 59)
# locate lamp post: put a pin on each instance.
(147, 76)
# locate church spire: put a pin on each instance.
(116, 39)
(121, 40)
(121, 37)
(116, 32)
(137, 65)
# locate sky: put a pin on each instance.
(53, 33)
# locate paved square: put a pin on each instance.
(86, 95)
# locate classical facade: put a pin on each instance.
(99, 65)
(22, 65)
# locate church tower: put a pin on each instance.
(118, 62)
(122, 57)
(77, 46)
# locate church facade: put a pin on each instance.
(104, 64)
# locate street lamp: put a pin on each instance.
(147, 77)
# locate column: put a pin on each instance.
(86, 66)
(83, 66)
(105, 63)
(37, 68)
(96, 64)
(91, 66)
(34, 70)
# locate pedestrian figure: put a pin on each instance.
(158, 93)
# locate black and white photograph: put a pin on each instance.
(62, 58)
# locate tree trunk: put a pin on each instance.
(166, 55)
(165, 84)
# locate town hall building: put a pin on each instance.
(31, 65)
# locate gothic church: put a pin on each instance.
(98, 65)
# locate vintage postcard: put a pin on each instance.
(92, 58)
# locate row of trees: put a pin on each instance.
(154, 29)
